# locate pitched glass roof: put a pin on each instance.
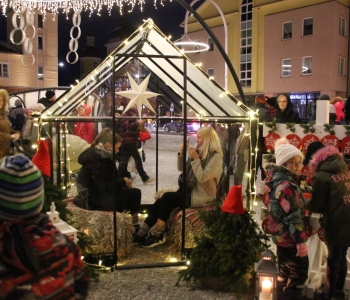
(173, 75)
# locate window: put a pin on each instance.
(211, 44)
(210, 72)
(287, 30)
(341, 66)
(40, 73)
(286, 67)
(4, 70)
(342, 26)
(40, 21)
(40, 43)
(306, 65)
(308, 26)
(245, 72)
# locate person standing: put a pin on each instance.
(96, 173)
(37, 261)
(287, 219)
(285, 112)
(7, 134)
(16, 116)
(50, 97)
(271, 109)
(330, 194)
(84, 129)
(203, 171)
(128, 129)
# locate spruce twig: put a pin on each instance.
(329, 128)
(290, 126)
(271, 125)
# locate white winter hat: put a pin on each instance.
(285, 151)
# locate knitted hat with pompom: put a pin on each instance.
(285, 151)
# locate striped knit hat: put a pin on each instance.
(21, 188)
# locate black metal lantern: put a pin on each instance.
(266, 272)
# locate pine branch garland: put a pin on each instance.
(290, 126)
(347, 129)
(271, 125)
(329, 128)
(309, 127)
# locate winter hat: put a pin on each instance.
(87, 109)
(18, 103)
(260, 99)
(42, 158)
(311, 150)
(233, 203)
(321, 155)
(271, 101)
(324, 97)
(21, 188)
(285, 151)
(49, 94)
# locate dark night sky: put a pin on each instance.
(167, 18)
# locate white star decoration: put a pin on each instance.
(270, 141)
(138, 95)
(295, 142)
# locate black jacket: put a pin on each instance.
(46, 102)
(96, 174)
(331, 195)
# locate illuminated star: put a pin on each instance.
(138, 95)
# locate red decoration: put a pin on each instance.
(307, 140)
(330, 140)
(265, 199)
(345, 145)
(270, 140)
(305, 171)
(266, 226)
(294, 140)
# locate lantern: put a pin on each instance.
(266, 272)
(62, 226)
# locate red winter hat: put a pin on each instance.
(87, 109)
(42, 158)
(233, 203)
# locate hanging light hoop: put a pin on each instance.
(27, 46)
(203, 47)
(34, 32)
(72, 31)
(12, 34)
(29, 17)
(21, 20)
(76, 57)
(32, 57)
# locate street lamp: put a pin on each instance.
(266, 272)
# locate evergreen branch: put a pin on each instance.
(271, 125)
(290, 126)
(329, 128)
(347, 129)
(309, 127)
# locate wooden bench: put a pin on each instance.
(99, 226)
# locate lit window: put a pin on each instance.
(341, 66)
(40, 73)
(342, 26)
(306, 66)
(287, 31)
(246, 43)
(4, 70)
(210, 44)
(40, 43)
(286, 67)
(308, 26)
(210, 72)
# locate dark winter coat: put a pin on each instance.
(287, 116)
(128, 129)
(17, 118)
(46, 102)
(331, 195)
(286, 207)
(38, 262)
(96, 174)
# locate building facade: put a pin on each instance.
(290, 46)
(39, 70)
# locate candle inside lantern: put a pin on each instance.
(266, 286)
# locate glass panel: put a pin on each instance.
(287, 30)
(306, 68)
(286, 67)
(307, 26)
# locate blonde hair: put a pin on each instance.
(5, 96)
(335, 99)
(106, 136)
(211, 142)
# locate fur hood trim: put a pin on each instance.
(321, 155)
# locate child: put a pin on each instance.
(287, 219)
(330, 194)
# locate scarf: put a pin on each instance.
(103, 151)
(191, 179)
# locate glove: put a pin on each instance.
(302, 250)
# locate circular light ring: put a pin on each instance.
(29, 17)
(34, 32)
(76, 19)
(76, 57)
(205, 47)
(28, 46)
(21, 20)
(32, 57)
(72, 31)
(12, 34)
(73, 45)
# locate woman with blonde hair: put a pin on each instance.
(7, 134)
(338, 103)
(203, 171)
